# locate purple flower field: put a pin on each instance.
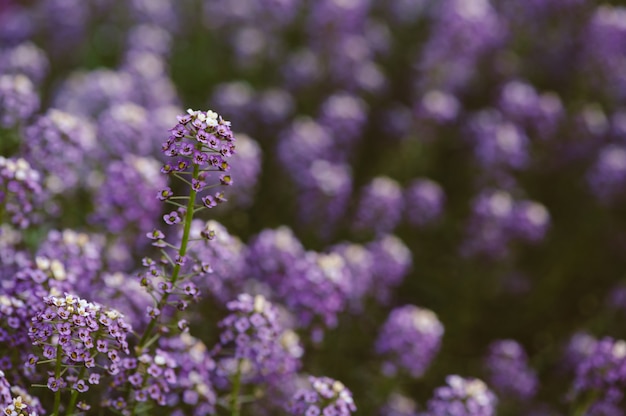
(313, 207)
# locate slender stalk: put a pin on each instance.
(74, 397)
(235, 404)
(182, 251)
(583, 407)
(57, 374)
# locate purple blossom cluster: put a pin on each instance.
(125, 201)
(499, 143)
(462, 397)
(509, 373)
(204, 141)
(325, 397)
(380, 206)
(463, 32)
(62, 147)
(18, 100)
(20, 191)
(392, 262)
(220, 259)
(124, 128)
(246, 167)
(409, 340)
(251, 334)
(359, 264)
(498, 220)
(14, 401)
(82, 337)
(27, 59)
(469, 127)
(539, 114)
(151, 378)
(315, 286)
(602, 371)
(195, 367)
(607, 177)
(424, 202)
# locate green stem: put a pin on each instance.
(182, 251)
(57, 374)
(582, 408)
(74, 397)
(235, 404)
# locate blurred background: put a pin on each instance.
(480, 144)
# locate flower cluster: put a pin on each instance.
(18, 100)
(253, 332)
(509, 373)
(409, 340)
(462, 397)
(202, 140)
(380, 206)
(63, 147)
(14, 401)
(219, 257)
(194, 373)
(423, 202)
(392, 262)
(325, 397)
(20, 191)
(125, 199)
(82, 337)
(315, 288)
(602, 371)
(498, 220)
(81, 256)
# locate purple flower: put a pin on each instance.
(89, 93)
(392, 262)
(498, 219)
(323, 201)
(304, 142)
(315, 287)
(438, 106)
(461, 33)
(27, 59)
(253, 331)
(530, 221)
(409, 340)
(509, 373)
(172, 218)
(423, 202)
(607, 178)
(23, 192)
(246, 167)
(63, 147)
(488, 228)
(345, 115)
(602, 371)
(125, 129)
(325, 396)
(200, 136)
(540, 113)
(360, 272)
(77, 347)
(18, 100)
(380, 206)
(463, 397)
(498, 143)
(225, 255)
(124, 202)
